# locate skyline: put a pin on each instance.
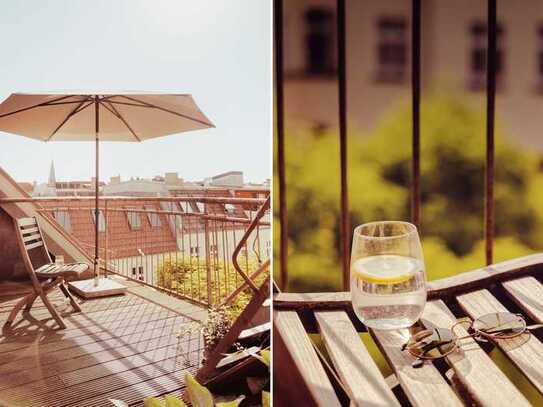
(45, 177)
(162, 46)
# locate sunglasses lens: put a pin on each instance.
(500, 324)
(432, 343)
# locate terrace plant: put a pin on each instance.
(189, 278)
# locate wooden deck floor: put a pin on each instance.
(122, 347)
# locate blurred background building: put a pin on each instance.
(378, 60)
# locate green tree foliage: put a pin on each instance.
(452, 182)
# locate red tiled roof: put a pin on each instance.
(123, 241)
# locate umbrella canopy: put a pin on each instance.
(127, 116)
(100, 116)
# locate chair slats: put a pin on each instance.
(27, 221)
(29, 230)
(33, 245)
(292, 333)
(525, 351)
(481, 378)
(36, 236)
(354, 365)
(527, 292)
(423, 386)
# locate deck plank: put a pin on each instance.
(123, 345)
(27, 333)
(423, 386)
(39, 369)
(135, 393)
(355, 367)
(480, 377)
(85, 382)
(527, 292)
(525, 351)
(306, 361)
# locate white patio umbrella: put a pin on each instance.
(100, 116)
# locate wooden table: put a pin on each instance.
(348, 375)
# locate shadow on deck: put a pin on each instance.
(122, 347)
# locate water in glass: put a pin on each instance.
(388, 283)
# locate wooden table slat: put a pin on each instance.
(423, 386)
(481, 378)
(354, 365)
(527, 292)
(296, 340)
(525, 351)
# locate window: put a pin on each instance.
(101, 220)
(195, 251)
(140, 270)
(540, 57)
(229, 208)
(478, 33)
(154, 218)
(195, 207)
(134, 220)
(63, 218)
(392, 49)
(213, 250)
(319, 41)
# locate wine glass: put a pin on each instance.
(388, 280)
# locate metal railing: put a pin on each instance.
(191, 247)
(415, 200)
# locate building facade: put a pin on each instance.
(378, 61)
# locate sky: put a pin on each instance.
(218, 51)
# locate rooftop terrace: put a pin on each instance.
(122, 347)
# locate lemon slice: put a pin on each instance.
(385, 269)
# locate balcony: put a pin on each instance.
(178, 256)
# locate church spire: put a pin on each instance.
(52, 182)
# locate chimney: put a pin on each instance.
(172, 178)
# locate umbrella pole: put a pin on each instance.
(96, 192)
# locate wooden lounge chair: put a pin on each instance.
(44, 275)
(467, 376)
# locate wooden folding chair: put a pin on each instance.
(44, 274)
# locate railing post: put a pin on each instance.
(279, 97)
(490, 103)
(415, 89)
(208, 268)
(106, 239)
(342, 97)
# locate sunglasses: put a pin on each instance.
(436, 343)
